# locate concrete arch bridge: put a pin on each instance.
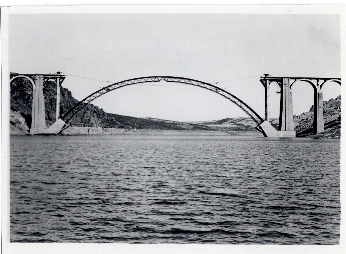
(286, 129)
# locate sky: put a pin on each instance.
(231, 51)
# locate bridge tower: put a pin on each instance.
(38, 124)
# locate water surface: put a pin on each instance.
(174, 189)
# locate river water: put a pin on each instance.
(174, 189)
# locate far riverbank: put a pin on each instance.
(117, 131)
(76, 131)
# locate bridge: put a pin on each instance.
(286, 125)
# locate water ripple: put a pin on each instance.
(174, 189)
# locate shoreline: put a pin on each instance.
(72, 131)
(83, 131)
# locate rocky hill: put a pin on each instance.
(332, 120)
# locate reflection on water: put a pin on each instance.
(174, 189)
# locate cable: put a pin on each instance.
(297, 108)
(68, 74)
(226, 81)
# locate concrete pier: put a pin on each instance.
(38, 108)
(318, 112)
(266, 101)
(286, 107)
(286, 114)
(57, 110)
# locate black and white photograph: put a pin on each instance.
(172, 126)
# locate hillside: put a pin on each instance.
(303, 122)
(332, 120)
(234, 126)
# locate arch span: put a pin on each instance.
(241, 104)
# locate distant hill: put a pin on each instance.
(303, 123)
(234, 126)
